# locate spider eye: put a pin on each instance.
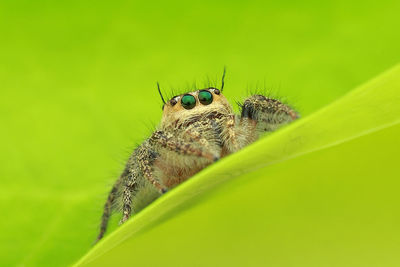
(188, 101)
(172, 102)
(205, 97)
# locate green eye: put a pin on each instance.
(205, 97)
(188, 101)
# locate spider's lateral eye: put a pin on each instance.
(173, 102)
(188, 101)
(205, 97)
(216, 91)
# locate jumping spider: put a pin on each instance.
(197, 128)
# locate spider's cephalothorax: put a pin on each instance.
(196, 129)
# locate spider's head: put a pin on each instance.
(194, 105)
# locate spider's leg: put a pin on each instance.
(108, 209)
(269, 114)
(141, 164)
(145, 160)
(129, 177)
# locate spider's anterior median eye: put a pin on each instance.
(205, 97)
(188, 101)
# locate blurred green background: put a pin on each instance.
(77, 91)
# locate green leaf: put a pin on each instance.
(322, 191)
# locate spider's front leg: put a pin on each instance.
(140, 166)
(108, 209)
(147, 154)
(267, 113)
(129, 178)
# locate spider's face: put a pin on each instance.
(193, 105)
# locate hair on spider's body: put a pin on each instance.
(197, 128)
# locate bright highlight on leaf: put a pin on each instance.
(322, 191)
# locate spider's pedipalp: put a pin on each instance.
(268, 113)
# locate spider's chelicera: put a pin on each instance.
(197, 128)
